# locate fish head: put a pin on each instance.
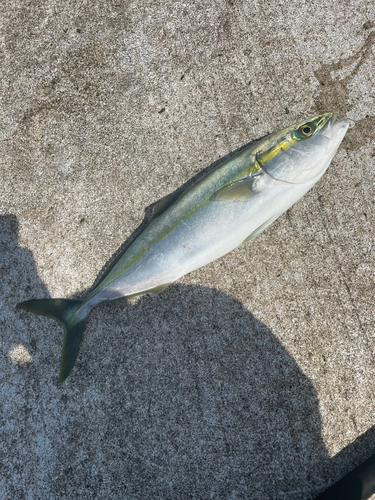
(301, 153)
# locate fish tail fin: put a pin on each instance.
(64, 312)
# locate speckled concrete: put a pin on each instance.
(252, 378)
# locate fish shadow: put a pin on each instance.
(204, 397)
(184, 395)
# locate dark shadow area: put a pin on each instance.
(352, 471)
(18, 280)
(186, 395)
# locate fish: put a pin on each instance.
(230, 205)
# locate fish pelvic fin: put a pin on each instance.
(64, 312)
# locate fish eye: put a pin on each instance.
(306, 130)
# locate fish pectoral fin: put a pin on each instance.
(162, 205)
(238, 191)
(261, 228)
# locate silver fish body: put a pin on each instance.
(212, 231)
(223, 223)
(232, 204)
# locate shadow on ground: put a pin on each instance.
(186, 395)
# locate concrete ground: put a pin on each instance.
(252, 378)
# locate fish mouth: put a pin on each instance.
(326, 130)
(340, 129)
(334, 130)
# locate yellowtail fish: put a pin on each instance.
(232, 204)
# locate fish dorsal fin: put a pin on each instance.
(159, 208)
(112, 263)
(162, 205)
(261, 228)
(238, 191)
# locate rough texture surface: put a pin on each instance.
(251, 378)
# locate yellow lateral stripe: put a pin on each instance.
(284, 144)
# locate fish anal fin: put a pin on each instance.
(261, 228)
(162, 205)
(238, 191)
(155, 291)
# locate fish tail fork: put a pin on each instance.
(64, 312)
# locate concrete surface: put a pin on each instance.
(252, 378)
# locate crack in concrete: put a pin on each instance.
(334, 94)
